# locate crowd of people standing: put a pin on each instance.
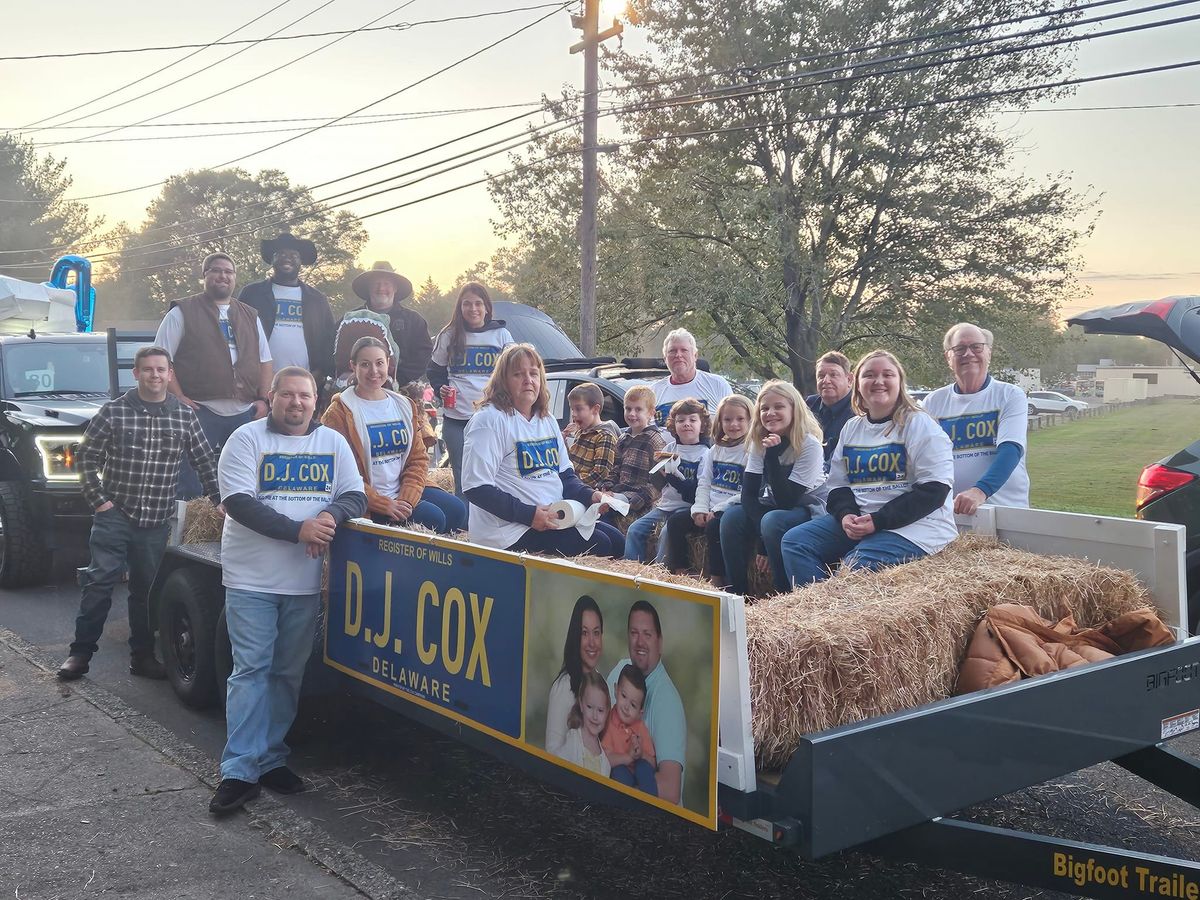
(292, 423)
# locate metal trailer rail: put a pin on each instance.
(891, 784)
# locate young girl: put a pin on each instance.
(464, 356)
(889, 483)
(783, 482)
(385, 431)
(718, 486)
(627, 741)
(688, 423)
(585, 726)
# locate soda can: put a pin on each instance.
(450, 398)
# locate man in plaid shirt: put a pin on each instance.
(130, 459)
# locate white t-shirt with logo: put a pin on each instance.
(879, 467)
(470, 373)
(979, 423)
(706, 387)
(170, 335)
(808, 469)
(287, 336)
(295, 475)
(522, 457)
(690, 457)
(719, 483)
(385, 428)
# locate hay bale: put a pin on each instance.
(441, 478)
(864, 644)
(202, 522)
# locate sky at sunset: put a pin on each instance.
(1140, 163)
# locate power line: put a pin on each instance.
(183, 78)
(272, 71)
(156, 71)
(399, 26)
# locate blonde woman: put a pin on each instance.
(783, 484)
(889, 483)
(515, 465)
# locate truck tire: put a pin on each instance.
(24, 559)
(222, 657)
(187, 623)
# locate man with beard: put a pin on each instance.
(222, 359)
(287, 482)
(295, 317)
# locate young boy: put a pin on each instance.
(591, 441)
(626, 741)
(636, 447)
(688, 423)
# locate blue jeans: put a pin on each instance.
(810, 548)
(606, 540)
(452, 434)
(440, 510)
(272, 637)
(116, 543)
(738, 542)
(217, 429)
(639, 774)
(638, 536)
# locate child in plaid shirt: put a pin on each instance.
(635, 452)
(591, 441)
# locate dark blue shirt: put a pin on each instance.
(831, 420)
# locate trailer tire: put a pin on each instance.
(24, 559)
(187, 622)
(222, 657)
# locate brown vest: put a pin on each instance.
(202, 365)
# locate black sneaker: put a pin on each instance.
(283, 781)
(231, 796)
(147, 667)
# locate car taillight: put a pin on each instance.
(1157, 480)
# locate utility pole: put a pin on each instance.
(589, 22)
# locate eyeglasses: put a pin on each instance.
(961, 349)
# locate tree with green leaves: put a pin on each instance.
(792, 197)
(39, 220)
(231, 211)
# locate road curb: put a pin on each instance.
(283, 825)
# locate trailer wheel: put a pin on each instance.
(187, 622)
(222, 657)
(24, 559)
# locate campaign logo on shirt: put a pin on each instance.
(663, 410)
(227, 330)
(289, 312)
(478, 360)
(295, 473)
(727, 475)
(537, 458)
(389, 440)
(689, 470)
(876, 465)
(972, 431)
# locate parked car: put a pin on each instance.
(1054, 402)
(919, 395)
(1168, 490)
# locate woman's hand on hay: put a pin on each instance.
(858, 527)
(701, 519)
(968, 501)
(220, 508)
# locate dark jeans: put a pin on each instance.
(605, 541)
(437, 509)
(679, 528)
(452, 434)
(116, 542)
(217, 429)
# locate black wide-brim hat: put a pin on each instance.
(288, 241)
(362, 283)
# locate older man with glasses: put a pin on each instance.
(986, 420)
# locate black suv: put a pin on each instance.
(1168, 490)
(50, 387)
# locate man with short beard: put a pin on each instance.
(222, 359)
(295, 316)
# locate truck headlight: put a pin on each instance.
(60, 456)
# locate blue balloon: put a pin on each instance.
(85, 294)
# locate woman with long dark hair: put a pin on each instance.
(464, 355)
(581, 654)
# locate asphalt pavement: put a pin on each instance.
(399, 810)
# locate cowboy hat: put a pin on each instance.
(362, 283)
(288, 241)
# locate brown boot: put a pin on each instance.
(76, 666)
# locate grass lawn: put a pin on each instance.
(1092, 465)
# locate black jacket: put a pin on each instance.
(831, 419)
(317, 317)
(411, 333)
